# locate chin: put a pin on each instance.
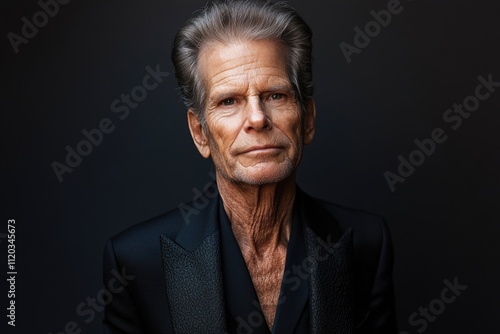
(264, 173)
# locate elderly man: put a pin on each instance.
(262, 256)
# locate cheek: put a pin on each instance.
(223, 135)
(291, 126)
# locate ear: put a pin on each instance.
(199, 137)
(310, 118)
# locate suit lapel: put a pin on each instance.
(329, 251)
(193, 274)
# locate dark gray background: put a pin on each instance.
(444, 217)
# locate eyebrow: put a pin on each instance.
(277, 88)
(235, 92)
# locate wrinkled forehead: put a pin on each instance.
(242, 61)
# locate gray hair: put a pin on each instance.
(237, 19)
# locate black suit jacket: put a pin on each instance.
(174, 280)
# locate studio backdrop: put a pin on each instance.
(95, 139)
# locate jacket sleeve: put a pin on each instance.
(381, 317)
(120, 313)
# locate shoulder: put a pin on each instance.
(361, 221)
(188, 225)
(345, 217)
(371, 242)
(141, 239)
(369, 231)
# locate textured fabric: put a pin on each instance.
(333, 296)
(182, 276)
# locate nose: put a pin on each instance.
(257, 118)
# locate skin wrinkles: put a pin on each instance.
(237, 76)
(254, 133)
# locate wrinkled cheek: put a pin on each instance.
(222, 163)
(296, 150)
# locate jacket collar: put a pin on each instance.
(193, 271)
(330, 261)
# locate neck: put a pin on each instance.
(260, 215)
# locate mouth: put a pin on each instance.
(265, 149)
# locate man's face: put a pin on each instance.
(254, 128)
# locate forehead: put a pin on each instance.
(240, 64)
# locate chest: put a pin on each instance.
(266, 274)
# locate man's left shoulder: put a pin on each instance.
(366, 227)
(358, 219)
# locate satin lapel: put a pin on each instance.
(331, 274)
(193, 274)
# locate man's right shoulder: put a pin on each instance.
(148, 232)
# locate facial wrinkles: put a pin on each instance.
(239, 61)
(247, 83)
(276, 137)
(245, 74)
(250, 91)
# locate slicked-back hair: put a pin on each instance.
(225, 21)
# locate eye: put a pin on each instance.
(276, 96)
(227, 102)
